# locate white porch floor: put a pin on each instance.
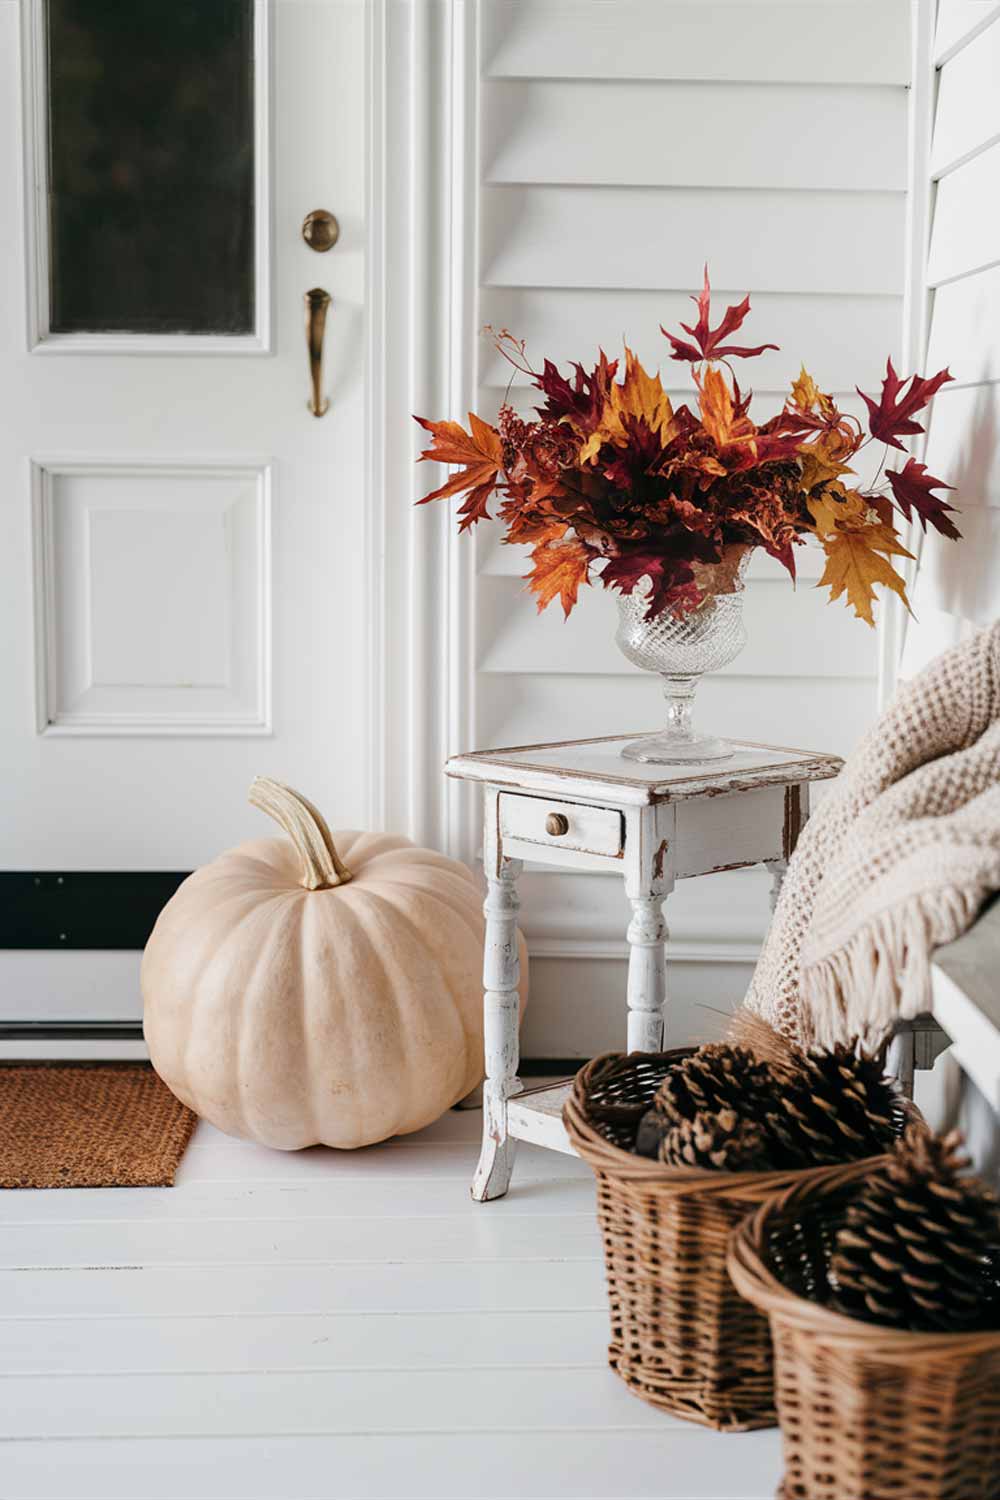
(330, 1325)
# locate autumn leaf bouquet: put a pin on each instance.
(611, 481)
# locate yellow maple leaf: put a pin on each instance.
(558, 569)
(857, 558)
(834, 504)
(807, 396)
(640, 395)
(818, 466)
(805, 391)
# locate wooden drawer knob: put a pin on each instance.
(556, 824)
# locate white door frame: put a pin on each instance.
(422, 249)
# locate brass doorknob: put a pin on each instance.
(320, 230)
(556, 824)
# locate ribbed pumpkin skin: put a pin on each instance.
(343, 1016)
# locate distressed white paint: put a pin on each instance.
(626, 817)
(647, 972)
(501, 1012)
(592, 830)
(536, 1115)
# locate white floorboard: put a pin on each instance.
(325, 1324)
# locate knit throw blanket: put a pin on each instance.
(898, 858)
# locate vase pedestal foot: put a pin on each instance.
(676, 750)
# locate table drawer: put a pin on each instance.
(561, 825)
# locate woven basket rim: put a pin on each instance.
(755, 1281)
(627, 1167)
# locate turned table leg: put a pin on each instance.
(647, 972)
(501, 1005)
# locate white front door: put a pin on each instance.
(181, 586)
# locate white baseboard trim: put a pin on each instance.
(73, 1049)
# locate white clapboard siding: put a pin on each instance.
(967, 118)
(645, 237)
(622, 146)
(790, 635)
(842, 340)
(815, 42)
(956, 587)
(502, 560)
(963, 444)
(555, 131)
(524, 708)
(962, 579)
(963, 332)
(958, 22)
(965, 235)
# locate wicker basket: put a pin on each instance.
(867, 1413)
(681, 1337)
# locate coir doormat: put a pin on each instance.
(98, 1125)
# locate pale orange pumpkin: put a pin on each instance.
(318, 988)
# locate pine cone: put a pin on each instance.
(920, 1248)
(718, 1142)
(715, 1077)
(837, 1107)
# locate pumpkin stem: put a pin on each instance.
(306, 827)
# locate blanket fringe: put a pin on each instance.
(882, 974)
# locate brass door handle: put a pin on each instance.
(317, 302)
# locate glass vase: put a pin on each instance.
(682, 648)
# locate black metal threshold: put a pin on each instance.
(131, 1031)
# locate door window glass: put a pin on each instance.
(151, 166)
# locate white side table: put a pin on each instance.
(580, 806)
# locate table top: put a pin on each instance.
(595, 768)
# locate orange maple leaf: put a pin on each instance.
(558, 569)
(718, 414)
(480, 453)
(641, 396)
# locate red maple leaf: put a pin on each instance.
(890, 419)
(671, 577)
(481, 454)
(708, 341)
(911, 488)
(582, 403)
